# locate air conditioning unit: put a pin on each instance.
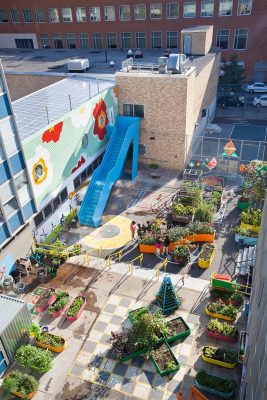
(175, 63)
(78, 64)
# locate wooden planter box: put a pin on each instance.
(130, 315)
(147, 248)
(253, 228)
(50, 301)
(184, 219)
(246, 240)
(242, 205)
(166, 371)
(181, 335)
(213, 391)
(217, 315)
(23, 396)
(201, 237)
(133, 355)
(218, 336)
(52, 348)
(71, 319)
(205, 263)
(217, 362)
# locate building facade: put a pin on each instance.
(240, 26)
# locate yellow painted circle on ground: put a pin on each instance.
(96, 239)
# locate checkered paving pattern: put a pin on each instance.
(138, 377)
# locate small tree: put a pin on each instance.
(232, 72)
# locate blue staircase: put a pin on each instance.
(111, 168)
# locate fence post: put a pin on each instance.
(47, 115)
(89, 88)
(97, 82)
(70, 102)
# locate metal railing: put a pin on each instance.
(140, 257)
(118, 253)
(158, 267)
(90, 252)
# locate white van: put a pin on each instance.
(78, 64)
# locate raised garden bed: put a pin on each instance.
(223, 282)
(220, 356)
(46, 299)
(51, 342)
(178, 329)
(222, 331)
(21, 385)
(57, 308)
(181, 255)
(135, 314)
(182, 214)
(164, 360)
(221, 310)
(76, 308)
(201, 237)
(227, 297)
(147, 248)
(206, 255)
(213, 384)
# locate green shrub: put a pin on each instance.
(198, 227)
(223, 309)
(75, 306)
(148, 240)
(245, 232)
(20, 383)
(181, 251)
(222, 328)
(178, 232)
(179, 209)
(251, 216)
(153, 166)
(31, 357)
(204, 212)
(221, 354)
(214, 382)
(149, 328)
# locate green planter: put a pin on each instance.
(166, 371)
(133, 355)
(181, 335)
(243, 205)
(132, 313)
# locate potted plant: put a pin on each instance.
(156, 225)
(46, 299)
(50, 342)
(164, 360)
(124, 345)
(34, 329)
(181, 255)
(251, 219)
(243, 202)
(222, 331)
(201, 232)
(57, 308)
(216, 199)
(204, 212)
(245, 236)
(42, 274)
(21, 385)
(135, 315)
(176, 234)
(76, 308)
(213, 384)
(31, 357)
(221, 356)
(177, 329)
(227, 297)
(147, 245)
(149, 329)
(220, 310)
(206, 255)
(183, 214)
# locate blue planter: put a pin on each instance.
(213, 391)
(245, 240)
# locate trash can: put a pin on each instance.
(16, 275)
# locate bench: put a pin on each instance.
(245, 259)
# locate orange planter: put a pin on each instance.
(23, 396)
(147, 248)
(201, 237)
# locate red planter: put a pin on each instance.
(50, 301)
(218, 336)
(227, 302)
(71, 319)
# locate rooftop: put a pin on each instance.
(9, 307)
(41, 108)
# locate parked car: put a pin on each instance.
(138, 54)
(257, 87)
(230, 101)
(167, 52)
(260, 101)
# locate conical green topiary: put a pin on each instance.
(166, 297)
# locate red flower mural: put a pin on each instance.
(79, 164)
(101, 119)
(53, 134)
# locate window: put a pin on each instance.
(126, 42)
(15, 16)
(97, 41)
(38, 219)
(71, 41)
(27, 14)
(156, 11)
(63, 195)
(6, 192)
(40, 15)
(241, 37)
(172, 40)
(94, 14)
(207, 8)
(57, 37)
(21, 180)
(222, 39)
(189, 9)
(47, 210)
(111, 40)
(77, 182)
(84, 40)
(66, 14)
(109, 13)
(11, 206)
(225, 7)
(244, 7)
(8, 133)
(140, 38)
(156, 40)
(124, 13)
(80, 14)
(3, 16)
(140, 12)
(133, 110)
(45, 40)
(53, 15)
(56, 203)
(172, 10)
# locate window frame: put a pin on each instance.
(238, 8)
(206, 16)
(19, 16)
(3, 10)
(127, 38)
(84, 38)
(139, 19)
(223, 35)
(120, 15)
(97, 20)
(190, 1)
(151, 6)
(42, 38)
(109, 20)
(62, 15)
(144, 36)
(132, 110)
(177, 41)
(49, 15)
(169, 3)
(108, 40)
(31, 13)
(69, 37)
(240, 29)
(78, 8)
(225, 15)
(95, 39)
(37, 16)
(152, 39)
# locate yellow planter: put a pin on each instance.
(215, 315)
(203, 263)
(217, 362)
(253, 228)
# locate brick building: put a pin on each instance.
(239, 25)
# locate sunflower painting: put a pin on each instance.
(101, 119)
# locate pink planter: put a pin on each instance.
(57, 314)
(50, 301)
(218, 336)
(71, 319)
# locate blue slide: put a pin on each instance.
(125, 133)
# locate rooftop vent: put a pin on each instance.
(175, 63)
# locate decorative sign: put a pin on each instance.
(242, 168)
(212, 163)
(229, 149)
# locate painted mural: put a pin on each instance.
(54, 154)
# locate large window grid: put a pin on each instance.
(97, 41)
(27, 15)
(240, 40)
(225, 7)
(81, 14)
(172, 10)
(124, 13)
(156, 11)
(189, 9)
(3, 16)
(207, 8)
(244, 7)
(57, 38)
(112, 40)
(172, 40)
(95, 15)
(140, 39)
(126, 42)
(133, 110)
(109, 12)
(15, 16)
(40, 15)
(140, 12)
(45, 40)
(84, 40)
(53, 15)
(66, 14)
(222, 38)
(71, 41)
(156, 40)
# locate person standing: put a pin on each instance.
(139, 231)
(166, 244)
(158, 245)
(133, 229)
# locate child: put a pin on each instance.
(158, 246)
(132, 229)
(166, 244)
(139, 231)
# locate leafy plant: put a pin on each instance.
(214, 382)
(149, 328)
(50, 340)
(147, 240)
(244, 232)
(31, 357)
(75, 306)
(207, 251)
(221, 354)
(181, 251)
(177, 233)
(227, 296)
(156, 224)
(171, 365)
(44, 298)
(222, 328)
(204, 212)
(198, 227)
(34, 329)
(223, 309)
(62, 300)
(179, 209)
(20, 383)
(251, 216)
(124, 343)
(137, 314)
